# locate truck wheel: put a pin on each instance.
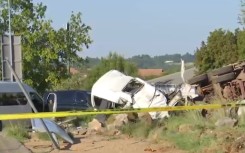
(223, 78)
(198, 79)
(222, 70)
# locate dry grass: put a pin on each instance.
(200, 132)
(17, 131)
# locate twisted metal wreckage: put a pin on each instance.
(117, 89)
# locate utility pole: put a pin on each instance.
(1, 49)
(10, 42)
(68, 47)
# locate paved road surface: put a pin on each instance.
(11, 145)
(174, 78)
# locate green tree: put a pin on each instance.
(75, 81)
(113, 61)
(204, 60)
(221, 49)
(143, 61)
(241, 16)
(241, 33)
(46, 51)
(241, 44)
(187, 57)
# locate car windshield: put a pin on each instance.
(133, 87)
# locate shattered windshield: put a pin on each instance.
(133, 87)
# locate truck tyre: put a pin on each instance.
(223, 78)
(198, 79)
(222, 70)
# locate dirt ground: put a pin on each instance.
(102, 144)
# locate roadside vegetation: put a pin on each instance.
(192, 132)
(82, 120)
(17, 131)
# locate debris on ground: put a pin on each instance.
(226, 121)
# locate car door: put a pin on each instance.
(66, 100)
(37, 101)
(51, 102)
(81, 101)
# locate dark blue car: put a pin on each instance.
(67, 100)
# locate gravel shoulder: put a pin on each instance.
(100, 144)
(11, 145)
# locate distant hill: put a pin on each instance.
(166, 62)
(163, 61)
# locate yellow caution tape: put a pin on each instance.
(113, 111)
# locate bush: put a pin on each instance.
(138, 129)
(18, 132)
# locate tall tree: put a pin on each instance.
(241, 33)
(221, 49)
(223, 46)
(204, 59)
(241, 44)
(241, 16)
(46, 51)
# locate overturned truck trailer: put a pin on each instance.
(227, 82)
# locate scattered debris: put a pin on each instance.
(52, 127)
(226, 121)
(78, 130)
(150, 150)
(82, 131)
(238, 145)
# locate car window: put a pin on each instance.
(7, 99)
(80, 97)
(65, 97)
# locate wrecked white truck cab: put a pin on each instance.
(119, 88)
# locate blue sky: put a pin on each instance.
(153, 27)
